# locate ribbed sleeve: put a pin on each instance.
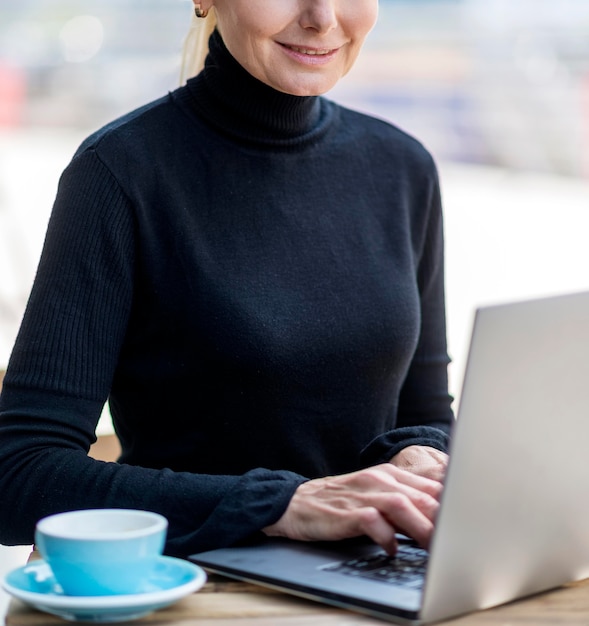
(60, 376)
(78, 309)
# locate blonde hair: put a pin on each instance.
(196, 45)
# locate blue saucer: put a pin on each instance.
(172, 579)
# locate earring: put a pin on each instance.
(199, 12)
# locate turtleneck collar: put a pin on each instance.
(239, 105)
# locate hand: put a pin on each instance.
(377, 502)
(422, 461)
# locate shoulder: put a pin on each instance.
(135, 132)
(136, 147)
(125, 128)
(384, 139)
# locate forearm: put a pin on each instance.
(44, 469)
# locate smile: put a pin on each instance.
(311, 51)
(310, 57)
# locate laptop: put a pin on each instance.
(514, 516)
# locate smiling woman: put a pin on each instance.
(300, 52)
(297, 48)
(252, 276)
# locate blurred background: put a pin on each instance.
(498, 91)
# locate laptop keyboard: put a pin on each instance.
(406, 568)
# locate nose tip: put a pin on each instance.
(320, 15)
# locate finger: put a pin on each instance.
(421, 483)
(384, 499)
(425, 503)
(385, 479)
(404, 508)
(374, 525)
(365, 521)
(380, 521)
(402, 513)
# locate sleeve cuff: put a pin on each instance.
(258, 499)
(384, 447)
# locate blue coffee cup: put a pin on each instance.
(96, 552)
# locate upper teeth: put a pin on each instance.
(309, 51)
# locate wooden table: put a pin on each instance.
(222, 602)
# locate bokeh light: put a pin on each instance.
(81, 38)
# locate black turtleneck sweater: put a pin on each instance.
(255, 282)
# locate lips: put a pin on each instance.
(310, 51)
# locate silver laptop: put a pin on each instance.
(514, 517)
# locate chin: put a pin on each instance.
(306, 90)
(311, 84)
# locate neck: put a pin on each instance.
(232, 100)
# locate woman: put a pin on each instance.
(253, 276)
